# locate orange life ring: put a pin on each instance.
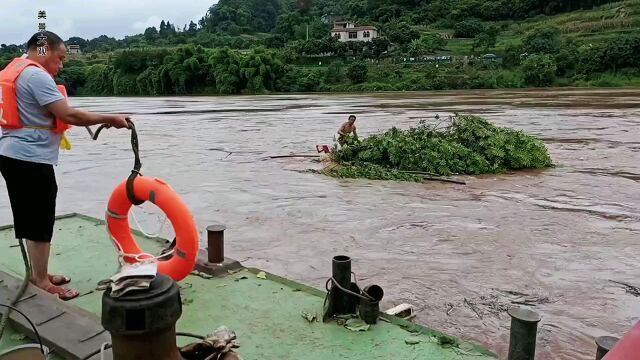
(162, 195)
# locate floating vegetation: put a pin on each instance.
(458, 145)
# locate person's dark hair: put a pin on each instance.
(53, 40)
(352, 117)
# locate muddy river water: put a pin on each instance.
(554, 240)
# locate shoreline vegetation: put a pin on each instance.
(525, 89)
(282, 46)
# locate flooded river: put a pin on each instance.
(461, 254)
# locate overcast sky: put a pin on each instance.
(92, 18)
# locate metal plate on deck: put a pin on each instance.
(64, 328)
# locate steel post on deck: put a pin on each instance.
(604, 344)
(523, 333)
(215, 243)
(341, 274)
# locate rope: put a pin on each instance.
(137, 165)
(335, 283)
(147, 257)
(33, 327)
(136, 257)
(135, 219)
(21, 291)
(104, 347)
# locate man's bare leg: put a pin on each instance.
(39, 257)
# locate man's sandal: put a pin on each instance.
(63, 294)
(59, 280)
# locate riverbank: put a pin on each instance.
(425, 77)
(569, 90)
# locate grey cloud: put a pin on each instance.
(92, 18)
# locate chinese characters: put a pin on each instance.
(42, 38)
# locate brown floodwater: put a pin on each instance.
(555, 239)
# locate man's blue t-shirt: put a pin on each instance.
(35, 89)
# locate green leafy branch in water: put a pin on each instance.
(461, 144)
(369, 171)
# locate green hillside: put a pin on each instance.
(257, 46)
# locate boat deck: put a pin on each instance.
(265, 313)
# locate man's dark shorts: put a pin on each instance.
(32, 192)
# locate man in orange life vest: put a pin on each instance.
(34, 115)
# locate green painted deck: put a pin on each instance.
(266, 314)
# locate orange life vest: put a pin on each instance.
(9, 115)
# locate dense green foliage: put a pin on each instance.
(8, 52)
(369, 171)
(185, 70)
(257, 16)
(460, 145)
(539, 70)
(357, 72)
(427, 44)
(256, 46)
(432, 11)
(468, 29)
(235, 17)
(402, 33)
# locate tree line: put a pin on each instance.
(208, 58)
(245, 16)
(283, 21)
(543, 59)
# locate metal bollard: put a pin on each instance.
(604, 344)
(524, 329)
(215, 243)
(341, 272)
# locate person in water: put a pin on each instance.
(34, 115)
(347, 131)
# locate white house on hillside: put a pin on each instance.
(348, 31)
(74, 49)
